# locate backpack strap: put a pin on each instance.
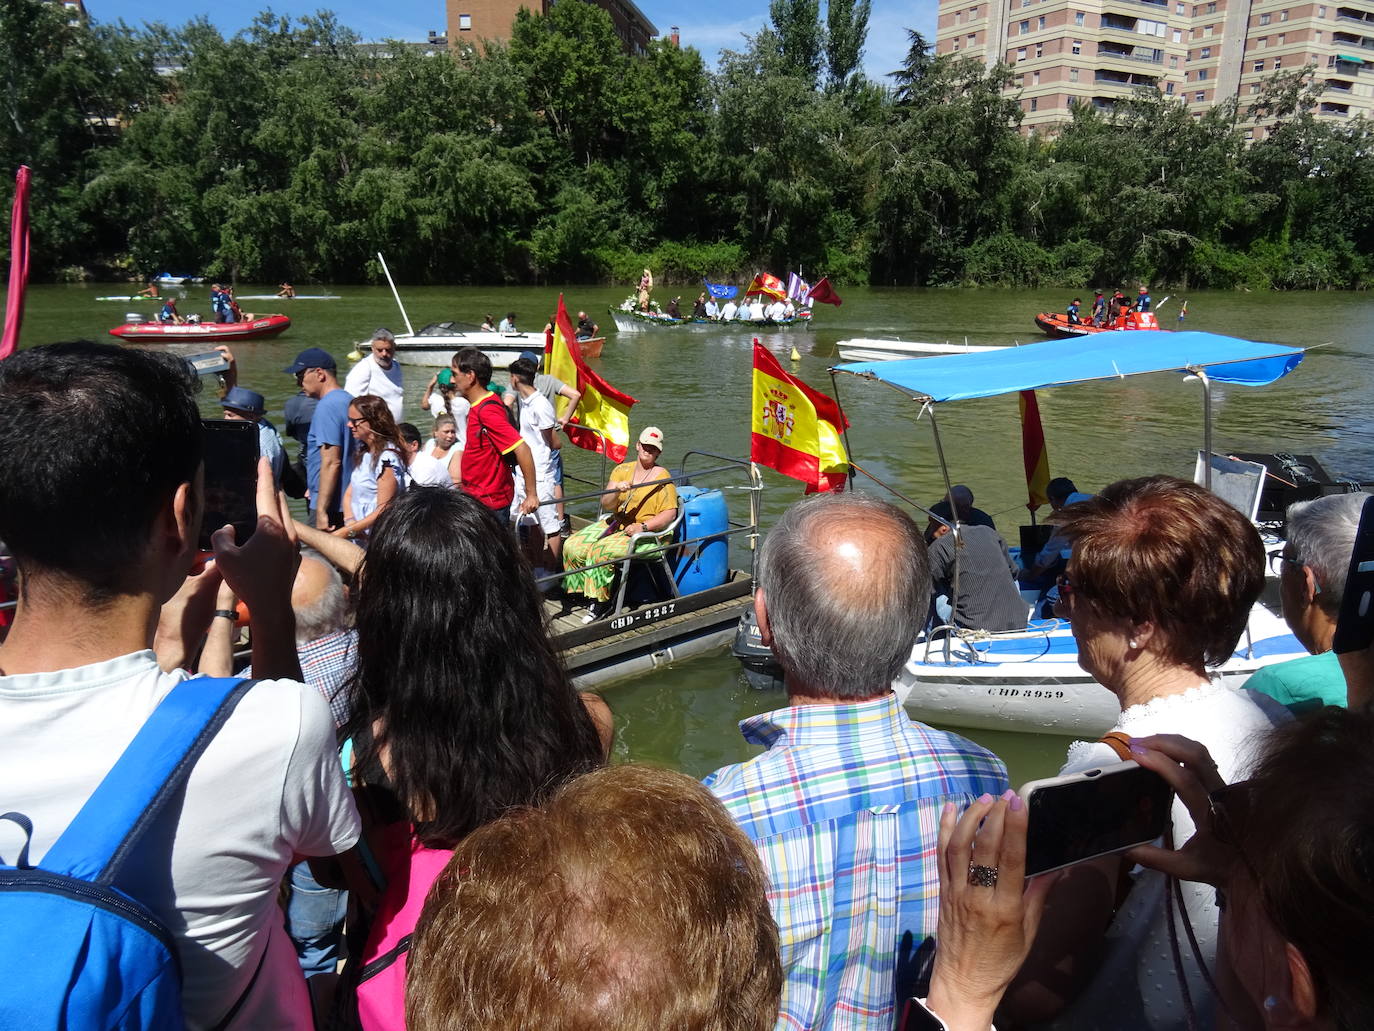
(152, 769)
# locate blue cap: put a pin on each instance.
(243, 400)
(531, 356)
(311, 358)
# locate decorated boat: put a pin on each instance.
(181, 332)
(629, 320)
(1057, 324)
(435, 344)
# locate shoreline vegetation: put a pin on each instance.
(289, 152)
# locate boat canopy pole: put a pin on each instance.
(1201, 374)
(949, 495)
(409, 328)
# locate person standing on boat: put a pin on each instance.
(329, 444)
(553, 388)
(586, 328)
(1099, 308)
(249, 406)
(777, 311)
(646, 286)
(727, 313)
(1142, 301)
(508, 324)
(537, 426)
(219, 304)
(491, 441)
(712, 309)
(1116, 307)
(699, 307)
(1312, 568)
(380, 374)
(843, 805)
(1072, 312)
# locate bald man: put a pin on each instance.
(844, 804)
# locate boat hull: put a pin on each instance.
(1056, 324)
(501, 348)
(862, 349)
(637, 322)
(171, 333)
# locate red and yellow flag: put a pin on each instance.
(602, 409)
(1033, 452)
(768, 285)
(796, 430)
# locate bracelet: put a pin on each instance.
(226, 614)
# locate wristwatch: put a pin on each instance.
(352, 534)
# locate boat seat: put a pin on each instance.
(657, 562)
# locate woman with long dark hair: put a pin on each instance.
(380, 463)
(461, 707)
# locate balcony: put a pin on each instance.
(1338, 86)
(1119, 53)
(1346, 39)
(1334, 110)
(1125, 80)
(1354, 14)
(1119, 22)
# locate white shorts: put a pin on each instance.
(546, 514)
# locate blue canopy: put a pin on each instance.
(1101, 356)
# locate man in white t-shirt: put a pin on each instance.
(379, 373)
(727, 313)
(537, 425)
(82, 667)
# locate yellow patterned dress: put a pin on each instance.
(587, 546)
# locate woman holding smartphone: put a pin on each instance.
(379, 465)
(1158, 590)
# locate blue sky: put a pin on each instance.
(708, 25)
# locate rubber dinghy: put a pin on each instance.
(173, 332)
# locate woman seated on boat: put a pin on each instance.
(1158, 589)
(461, 709)
(699, 307)
(641, 499)
(379, 465)
(488, 324)
(429, 461)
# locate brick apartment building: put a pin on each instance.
(1100, 51)
(475, 20)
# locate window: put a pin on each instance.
(958, 17)
(1264, 19)
(464, 22)
(1180, 8)
(1077, 46)
(1254, 87)
(1263, 42)
(1283, 38)
(1040, 24)
(1078, 18)
(1278, 63)
(1021, 54)
(1073, 74)
(1168, 89)
(1024, 27)
(1178, 35)
(972, 13)
(1204, 53)
(1207, 32)
(1199, 97)
(1317, 35)
(1212, 8)
(954, 45)
(1321, 12)
(972, 38)
(1040, 50)
(1259, 66)
(1173, 60)
(1201, 74)
(1283, 16)
(1035, 103)
(1035, 79)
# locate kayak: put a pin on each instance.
(297, 297)
(132, 297)
(171, 332)
(1057, 324)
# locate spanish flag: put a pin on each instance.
(768, 285)
(602, 408)
(1033, 452)
(796, 430)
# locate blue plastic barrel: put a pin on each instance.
(706, 563)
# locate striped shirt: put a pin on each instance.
(844, 808)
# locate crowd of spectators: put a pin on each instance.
(406, 818)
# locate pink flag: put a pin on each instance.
(19, 263)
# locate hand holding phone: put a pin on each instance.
(1094, 813)
(231, 473)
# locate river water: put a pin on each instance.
(695, 384)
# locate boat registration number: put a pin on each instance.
(649, 615)
(1022, 692)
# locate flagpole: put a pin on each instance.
(844, 425)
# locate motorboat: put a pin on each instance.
(435, 344)
(183, 332)
(868, 349)
(1029, 680)
(1057, 324)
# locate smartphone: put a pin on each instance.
(205, 363)
(1355, 622)
(231, 478)
(916, 1017)
(1093, 813)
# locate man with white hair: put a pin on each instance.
(1311, 568)
(844, 804)
(379, 373)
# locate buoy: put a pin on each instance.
(795, 356)
(354, 355)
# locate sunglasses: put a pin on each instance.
(358, 421)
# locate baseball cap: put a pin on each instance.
(311, 358)
(530, 356)
(652, 437)
(243, 400)
(445, 377)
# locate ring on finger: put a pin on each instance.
(982, 876)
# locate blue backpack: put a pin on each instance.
(78, 951)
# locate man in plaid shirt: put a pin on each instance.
(844, 806)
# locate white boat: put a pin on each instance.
(434, 345)
(1029, 680)
(868, 349)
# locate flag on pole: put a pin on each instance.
(602, 408)
(797, 287)
(19, 263)
(719, 291)
(1033, 452)
(825, 293)
(1183, 311)
(768, 285)
(796, 430)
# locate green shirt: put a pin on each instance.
(1302, 684)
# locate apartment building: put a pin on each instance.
(1100, 51)
(470, 21)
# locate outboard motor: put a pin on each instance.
(135, 318)
(761, 668)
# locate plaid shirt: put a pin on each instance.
(326, 664)
(844, 808)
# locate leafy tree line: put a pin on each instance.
(287, 151)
